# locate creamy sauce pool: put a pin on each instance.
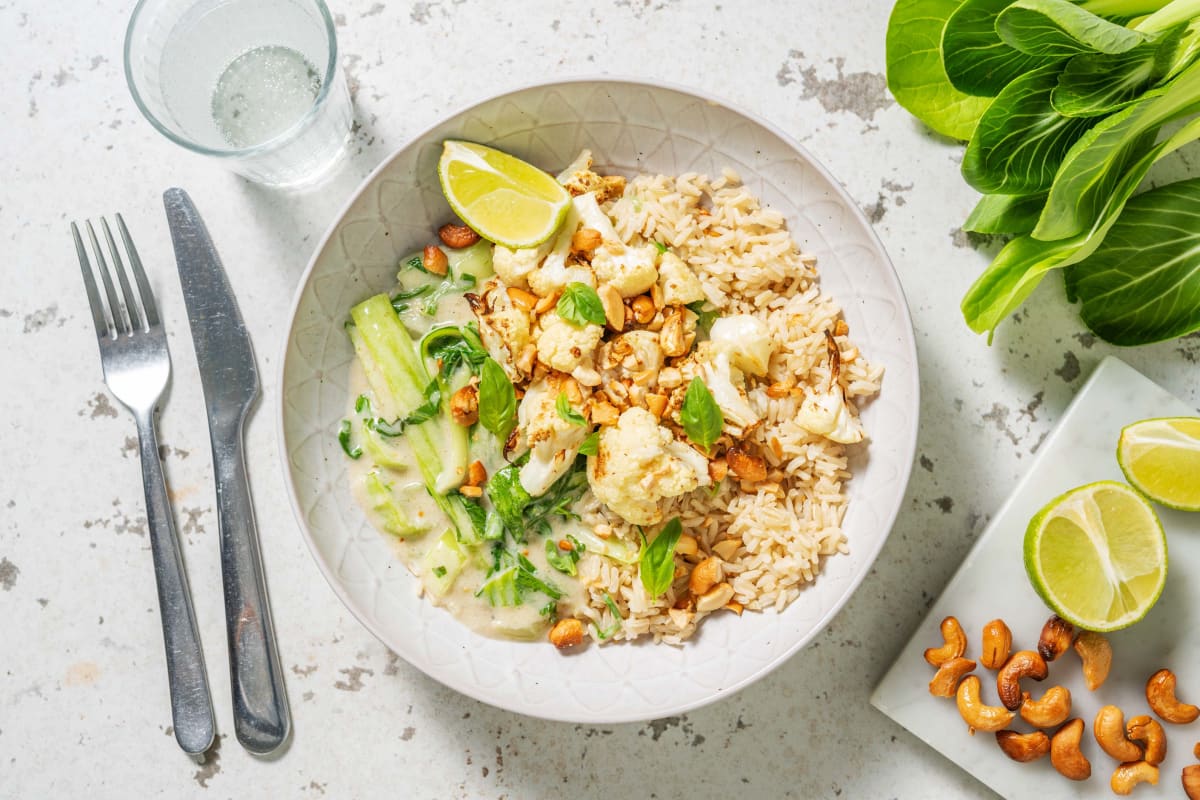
(509, 622)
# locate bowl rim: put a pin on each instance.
(904, 319)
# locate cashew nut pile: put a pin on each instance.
(1138, 744)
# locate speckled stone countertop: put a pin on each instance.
(83, 706)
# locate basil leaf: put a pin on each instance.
(344, 441)
(562, 560)
(657, 562)
(580, 305)
(497, 400)
(701, 416)
(563, 406)
(591, 445)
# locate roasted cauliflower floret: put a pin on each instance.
(727, 385)
(514, 266)
(679, 284)
(579, 179)
(504, 327)
(828, 414)
(631, 355)
(629, 270)
(638, 463)
(745, 339)
(562, 346)
(553, 441)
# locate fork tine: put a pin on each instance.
(89, 282)
(119, 323)
(123, 279)
(139, 274)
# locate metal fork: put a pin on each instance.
(137, 366)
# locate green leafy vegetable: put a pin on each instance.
(915, 72)
(1005, 213)
(344, 441)
(1089, 95)
(700, 415)
(563, 406)
(1021, 139)
(1058, 28)
(657, 563)
(497, 400)
(579, 305)
(1143, 286)
(976, 59)
(591, 445)
(508, 496)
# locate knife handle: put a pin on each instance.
(191, 702)
(260, 709)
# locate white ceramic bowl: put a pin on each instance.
(630, 127)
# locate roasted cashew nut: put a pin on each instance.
(1065, 754)
(1023, 746)
(1160, 694)
(980, 717)
(1022, 664)
(1127, 776)
(1096, 654)
(1150, 734)
(1056, 638)
(997, 644)
(1191, 781)
(1109, 729)
(955, 643)
(945, 682)
(1053, 707)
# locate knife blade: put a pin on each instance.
(229, 376)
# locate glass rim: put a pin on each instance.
(275, 141)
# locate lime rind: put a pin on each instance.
(1147, 479)
(537, 204)
(1142, 589)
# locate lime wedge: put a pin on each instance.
(1097, 556)
(502, 198)
(1161, 458)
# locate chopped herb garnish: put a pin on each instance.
(700, 415)
(344, 440)
(549, 610)
(580, 305)
(657, 562)
(361, 403)
(563, 406)
(618, 622)
(662, 248)
(439, 572)
(408, 294)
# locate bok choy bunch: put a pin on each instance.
(1066, 106)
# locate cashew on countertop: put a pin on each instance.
(1065, 752)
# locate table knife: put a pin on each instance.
(227, 370)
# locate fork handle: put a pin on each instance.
(260, 710)
(191, 702)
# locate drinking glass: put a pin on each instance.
(252, 83)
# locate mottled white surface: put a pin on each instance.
(83, 706)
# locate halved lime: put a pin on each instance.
(1098, 556)
(502, 198)
(1161, 458)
